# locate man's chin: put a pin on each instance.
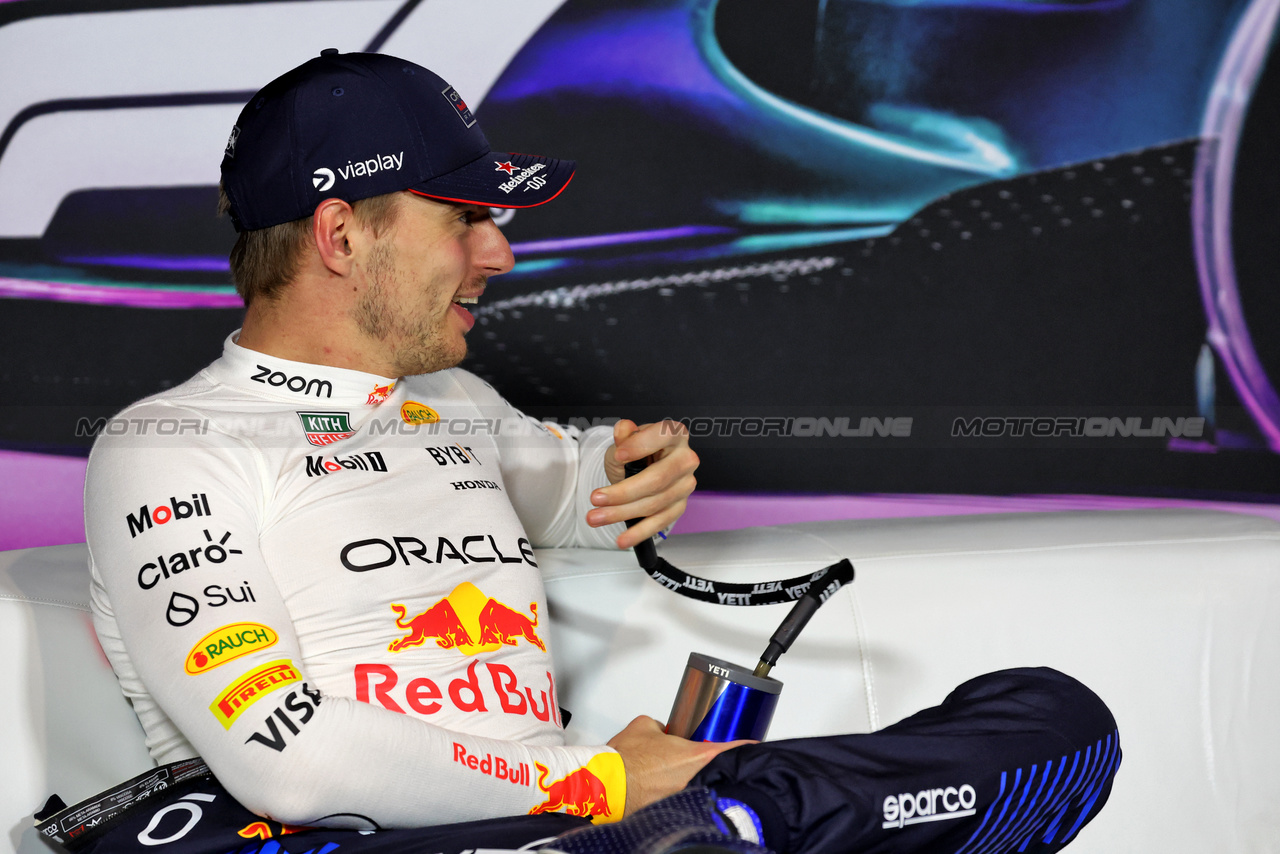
(435, 363)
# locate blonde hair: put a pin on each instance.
(265, 260)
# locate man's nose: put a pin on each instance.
(495, 252)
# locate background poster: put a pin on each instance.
(944, 246)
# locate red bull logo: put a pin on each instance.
(439, 623)
(580, 793)
(493, 766)
(262, 830)
(383, 685)
(469, 621)
(379, 394)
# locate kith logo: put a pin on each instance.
(325, 428)
(322, 179)
(165, 513)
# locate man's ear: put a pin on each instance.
(333, 227)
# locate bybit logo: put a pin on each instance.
(322, 179)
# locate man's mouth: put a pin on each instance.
(466, 300)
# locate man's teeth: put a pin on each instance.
(466, 300)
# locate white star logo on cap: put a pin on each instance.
(505, 167)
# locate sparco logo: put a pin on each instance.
(165, 513)
(297, 385)
(929, 805)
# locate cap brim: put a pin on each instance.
(502, 180)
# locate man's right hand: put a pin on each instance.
(658, 764)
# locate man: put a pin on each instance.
(326, 587)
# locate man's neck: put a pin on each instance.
(301, 330)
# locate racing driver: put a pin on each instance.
(320, 591)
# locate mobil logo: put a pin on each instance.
(163, 514)
(582, 792)
(469, 621)
(318, 466)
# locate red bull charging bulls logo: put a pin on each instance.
(580, 793)
(468, 621)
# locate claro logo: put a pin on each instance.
(150, 573)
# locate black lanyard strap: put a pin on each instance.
(830, 578)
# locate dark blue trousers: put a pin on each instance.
(1016, 761)
(1012, 761)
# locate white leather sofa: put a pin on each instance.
(1173, 617)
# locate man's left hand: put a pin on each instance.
(657, 495)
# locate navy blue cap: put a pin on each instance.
(355, 125)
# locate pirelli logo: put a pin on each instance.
(248, 689)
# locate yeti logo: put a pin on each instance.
(322, 179)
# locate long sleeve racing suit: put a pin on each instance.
(322, 582)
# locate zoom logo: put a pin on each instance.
(322, 179)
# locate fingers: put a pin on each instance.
(658, 764)
(635, 443)
(658, 495)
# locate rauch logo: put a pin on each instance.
(227, 644)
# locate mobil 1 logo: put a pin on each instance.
(318, 466)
